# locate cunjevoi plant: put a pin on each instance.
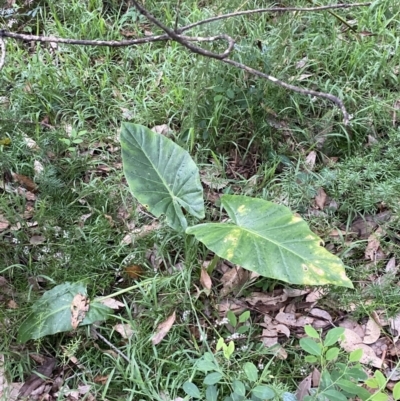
(261, 236)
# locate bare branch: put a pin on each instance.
(269, 10)
(3, 53)
(84, 42)
(178, 38)
(332, 98)
(181, 40)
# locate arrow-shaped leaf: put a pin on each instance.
(268, 239)
(161, 175)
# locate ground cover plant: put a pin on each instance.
(176, 313)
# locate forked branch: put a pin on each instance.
(176, 35)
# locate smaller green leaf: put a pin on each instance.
(208, 356)
(333, 336)
(220, 343)
(326, 380)
(356, 355)
(310, 346)
(379, 396)
(357, 373)
(205, 366)
(232, 318)
(363, 393)
(211, 393)
(311, 332)
(244, 317)
(334, 395)
(380, 378)
(289, 397)
(396, 391)
(250, 371)
(239, 388)
(242, 329)
(332, 354)
(228, 351)
(372, 383)
(191, 390)
(212, 378)
(263, 392)
(348, 386)
(310, 359)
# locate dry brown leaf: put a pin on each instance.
(38, 168)
(162, 129)
(315, 295)
(352, 341)
(25, 181)
(310, 160)
(101, 379)
(391, 266)
(395, 327)
(134, 271)
(373, 244)
(372, 332)
(304, 387)
(112, 303)
(163, 329)
(353, 326)
(125, 330)
(320, 313)
(205, 281)
(321, 198)
(37, 239)
(265, 298)
(233, 280)
(316, 377)
(79, 307)
(235, 305)
(294, 292)
(4, 223)
(11, 304)
(289, 319)
(8, 391)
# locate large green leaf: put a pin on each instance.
(161, 175)
(268, 239)
(52, 313)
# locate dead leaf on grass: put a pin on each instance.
(372, 332)
(162, 129)
(37, 239)
(233, 280)
(321, 198)
(315, 295)
(290, 319)
(38, 168)
(394, 323)
(134, 271)
(125, 330)
(35, 381)
(391, 267)
(373, 244)
(295, 292)
(310, 159)
(4, 223)
(266, 299)
(11, 304)
(79, 307)
(237, 306)
(353, 326)
(163, 329)
(303, 390)
(352, 341)
(320, 313)
(112, 303)
(205, 281)
(25, 182)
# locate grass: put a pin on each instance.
(84, 208)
